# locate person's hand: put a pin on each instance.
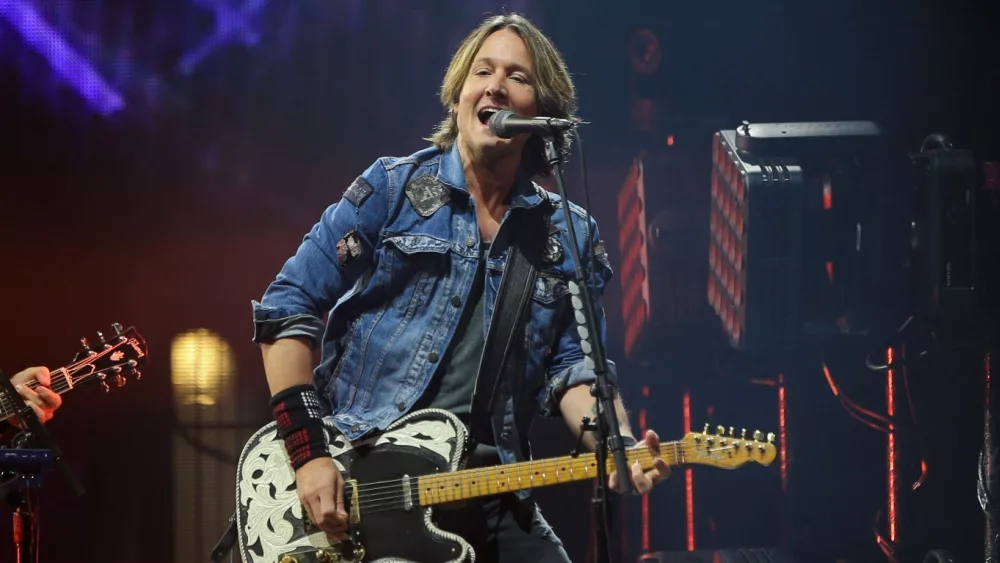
(644, 480)
(321, 491)
(42, 399)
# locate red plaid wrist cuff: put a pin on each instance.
(299, 416)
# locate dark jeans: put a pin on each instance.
(504, 529)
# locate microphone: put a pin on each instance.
(506, 124)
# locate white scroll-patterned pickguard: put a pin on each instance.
(269, 514)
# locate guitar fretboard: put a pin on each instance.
(485, 481)
(61, 382)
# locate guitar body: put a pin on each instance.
(392, 479)
(387, 522)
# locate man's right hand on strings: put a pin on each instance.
(321, 491)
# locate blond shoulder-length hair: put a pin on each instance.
(555, 94)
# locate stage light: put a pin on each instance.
(231, 25)
(633, 244)
(64, 60)
(644, 52)
(754, 245)
(202, 365)
(822, 230)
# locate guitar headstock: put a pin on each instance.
(727, 450)
(111, 359)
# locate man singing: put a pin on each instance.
(408, 264)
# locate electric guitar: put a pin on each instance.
(111, 360)
(394, 479)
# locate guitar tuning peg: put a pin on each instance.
(732, 431)
(705, 430)
(100, 336)
(743, 434)
(757, 435)
(720, 430)
(770, 437)
(107, 388)
(117, 328)
(137, 374)
(120, 380)
(85, 344)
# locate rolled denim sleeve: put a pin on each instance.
(328, 262)
(567, 367)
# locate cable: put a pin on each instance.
(907, 434)
(887, 424)
(887, 546)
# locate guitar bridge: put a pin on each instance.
(350, 553)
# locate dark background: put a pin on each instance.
(176, 212)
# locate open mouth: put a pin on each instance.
(486, 113)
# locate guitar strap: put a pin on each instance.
(507, 327)
(529, 234)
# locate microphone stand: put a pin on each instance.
(606, 431)
(36, 434)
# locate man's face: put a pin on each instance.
(501, 77)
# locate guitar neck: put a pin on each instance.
(487, 481)
(61, 383)
(116, 357)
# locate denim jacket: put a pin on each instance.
(391, 264)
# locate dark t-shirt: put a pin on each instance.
(454, 382)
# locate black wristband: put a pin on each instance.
(628, 441)
(299, 417)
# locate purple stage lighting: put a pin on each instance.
(70, 65)
(230, 26)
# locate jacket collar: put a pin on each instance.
(524, 194)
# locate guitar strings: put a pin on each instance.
(644, 456)
(677, 448)
(59, 385)
(384, 495)
(390, 497)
